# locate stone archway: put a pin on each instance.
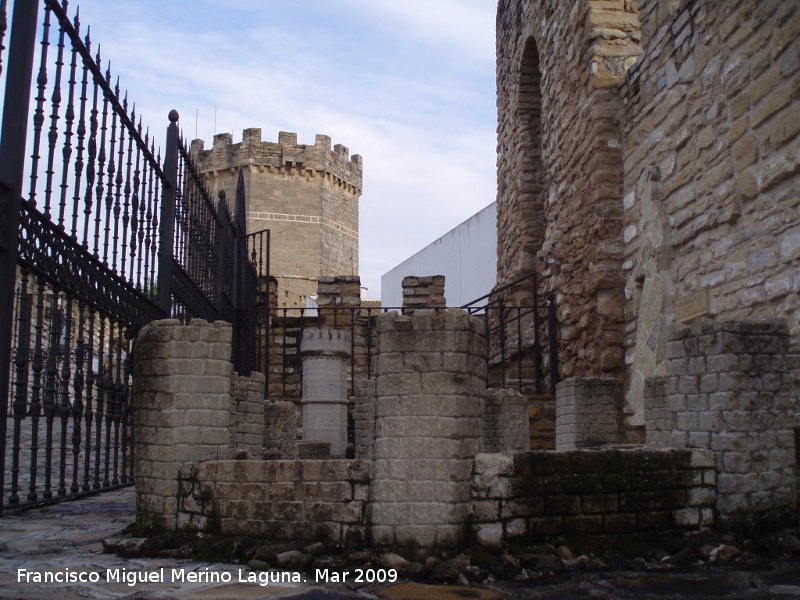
(520, 165)
(530, 166)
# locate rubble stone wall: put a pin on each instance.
(560, 167)
(542, 421)
(547, 495)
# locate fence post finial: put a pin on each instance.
(166, 230)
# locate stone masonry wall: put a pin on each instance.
(559, 165)
(711, 130)
(339, 301)
(307, 195)
(660, 420)
(423, 292)
(586, 413)
(428, 414)
(363, 406)
(547, 495)
(297, 500)
(280, 429)
(733, 388)
(182, 397)
(247, 413)
(284, 355)
(337, 297)
(505, 421)
(340, 307)
(542, 421)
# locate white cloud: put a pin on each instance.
(462, 27)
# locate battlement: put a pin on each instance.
(287, 156)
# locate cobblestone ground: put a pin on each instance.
(67, 538)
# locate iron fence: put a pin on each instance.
(515, 331)
(98, 237)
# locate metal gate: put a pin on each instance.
(98, 237)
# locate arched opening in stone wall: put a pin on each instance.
(521, 227)
(530, 176)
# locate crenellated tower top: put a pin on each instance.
(307, 195)
(285, 156)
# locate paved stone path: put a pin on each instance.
(67, 538)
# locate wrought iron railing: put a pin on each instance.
(515, 337)
(515, 332)
(99, 238)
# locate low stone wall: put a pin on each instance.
(416, 483)
(297, 500)
(545, 495)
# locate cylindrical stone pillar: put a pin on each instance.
(429, 406)
(325, 354)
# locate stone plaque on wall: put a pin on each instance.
(692, 306)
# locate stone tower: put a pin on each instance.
(306, 195)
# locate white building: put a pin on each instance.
(465, 255)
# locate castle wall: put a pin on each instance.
(559, 165)
(306, 195)
(339, 231)
(712, 192)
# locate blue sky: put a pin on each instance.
(407, 84)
